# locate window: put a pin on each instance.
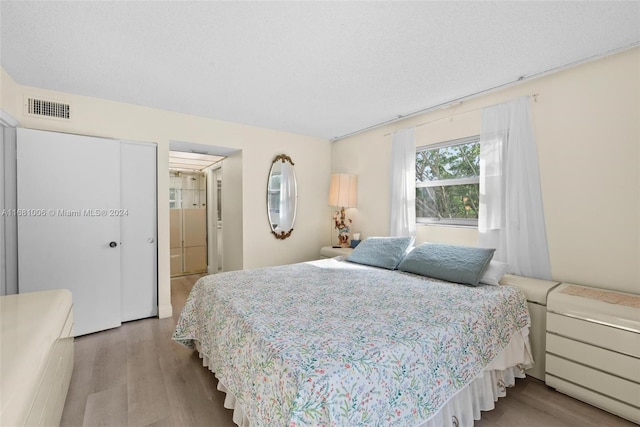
(447, 182)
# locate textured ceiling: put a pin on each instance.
(316, 68)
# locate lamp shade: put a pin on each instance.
(343, 190)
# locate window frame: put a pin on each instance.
(459, 222)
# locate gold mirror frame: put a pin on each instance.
(275, 188)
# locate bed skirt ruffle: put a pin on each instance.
(466, 405)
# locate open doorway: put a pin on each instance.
(216, 205)
(193, 210)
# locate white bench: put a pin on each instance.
(36, 359)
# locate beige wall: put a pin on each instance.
(8, 93)
(248, 242)
(586, 120)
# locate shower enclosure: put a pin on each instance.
(188, 221)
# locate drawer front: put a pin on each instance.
(618, 340)
(618, 388)
(605, 360)
(610, 405)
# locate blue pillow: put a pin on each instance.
(384, 252)
(457, 264)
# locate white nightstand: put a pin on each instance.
(330, 252)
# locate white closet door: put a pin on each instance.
(3, 266)
(139, 248)
(68, 231)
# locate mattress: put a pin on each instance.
(335, 343)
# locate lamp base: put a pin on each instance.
(342, 224)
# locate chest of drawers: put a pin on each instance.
(593, 347)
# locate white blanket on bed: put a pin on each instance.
(326, 343)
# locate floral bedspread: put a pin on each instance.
(325, 344)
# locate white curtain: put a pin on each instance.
(403, 184)
(511, 217)
(287, 197)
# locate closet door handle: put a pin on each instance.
(113, 244)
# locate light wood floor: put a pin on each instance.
(135, 375)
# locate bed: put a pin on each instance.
(342, 343)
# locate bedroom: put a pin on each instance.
(578, 109)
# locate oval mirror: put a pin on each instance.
(282, 196)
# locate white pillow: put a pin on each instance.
(494, 273)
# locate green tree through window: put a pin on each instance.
(447, 182)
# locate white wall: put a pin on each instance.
(232, 208)
(248, 242)
(586, 120)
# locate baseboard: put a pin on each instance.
(165, 311)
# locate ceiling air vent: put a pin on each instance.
(44, 108)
